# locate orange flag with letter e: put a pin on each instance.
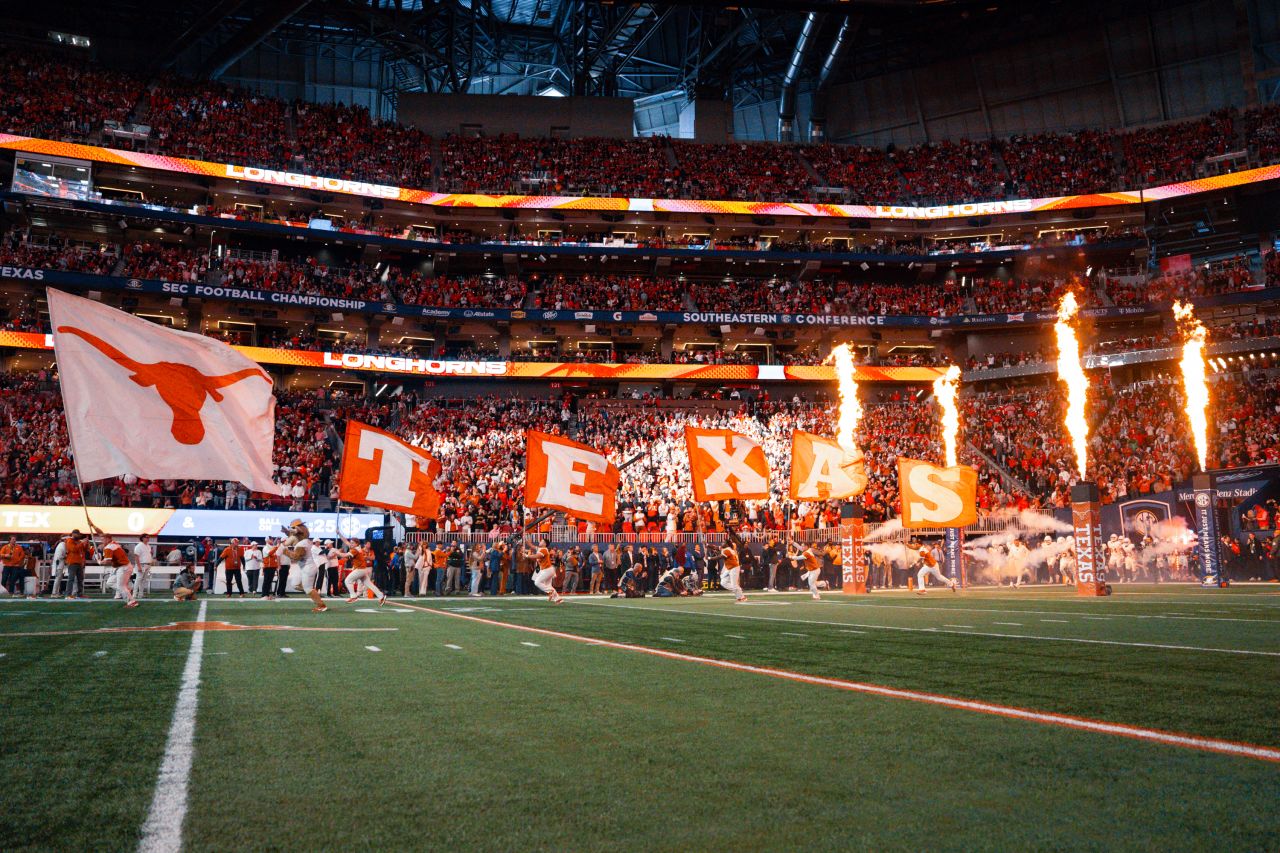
(726, 465)
(821, 470)
(571, 477)
(159, 403)
(937, 497)
(379, 469)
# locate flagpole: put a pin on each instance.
(75, 454)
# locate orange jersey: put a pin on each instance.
(927, 556)
(12, 555)
(543, 556)
(358, 558)
(76, 552)
(115, 555)
(439, 558)
(270, 559)
(812, 562)
(730, 555)
(231, 556)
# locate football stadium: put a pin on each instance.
(614, 425)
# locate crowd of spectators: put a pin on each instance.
(1002, 295)
(827, 296)
(213, 121)
(305, 276)
(1225, 276)
(1050, 164)
(167, 262)
(342, 141)
(55, 253)
(610, 293)
(488, 291)
(57, 96)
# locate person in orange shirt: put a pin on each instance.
(231, 558)
(545, 573)
(929, 566)
(14, 559)
(361, 575)
(270, 565)
(439, 567)
(77, 552)
(114, 555)
(812, 568)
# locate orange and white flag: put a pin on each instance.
(158, 403)
(937, 497)
(726, 465)
(379, 469)
(821, 470)
(571, 477)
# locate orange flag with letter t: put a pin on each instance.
(821, 470)
(158, 403)
(379, 469)
(726, 465)
(937, 497)
(571, 477)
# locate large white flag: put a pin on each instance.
(157, 403)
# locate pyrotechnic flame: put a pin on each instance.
(1193, 373)
(850, 408)
(1071, 372)
(945, 388)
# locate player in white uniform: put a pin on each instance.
(1115, 556)
(929, 568)
(143, 557)
(302, 551)
(545, 574)
(1129, 554)
(732, 569)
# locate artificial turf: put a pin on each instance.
(522, 740)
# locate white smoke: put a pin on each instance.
(889, 528)
(895, 552)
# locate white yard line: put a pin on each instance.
(672, 639)
(162, 831)
(373, 648)
(452, 646)
(286, 650)
(531, 645)
(1089, 641)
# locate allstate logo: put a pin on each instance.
(1202, 499)
(134, 284)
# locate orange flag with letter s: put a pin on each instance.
(937, 497)
(380, 469)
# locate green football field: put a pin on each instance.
(990, 719)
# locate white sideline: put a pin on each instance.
(162, 832)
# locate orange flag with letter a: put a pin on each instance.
(726, 465)
(379, 469)
(937, 497)
(571, 477)
(821, 470)
(159, 403)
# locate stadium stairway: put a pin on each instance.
(1011, 483)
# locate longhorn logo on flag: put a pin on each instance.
(571, 477)
(726, 465)
(937, 497)
(821, 470)
(158, 403)
(379, 469)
